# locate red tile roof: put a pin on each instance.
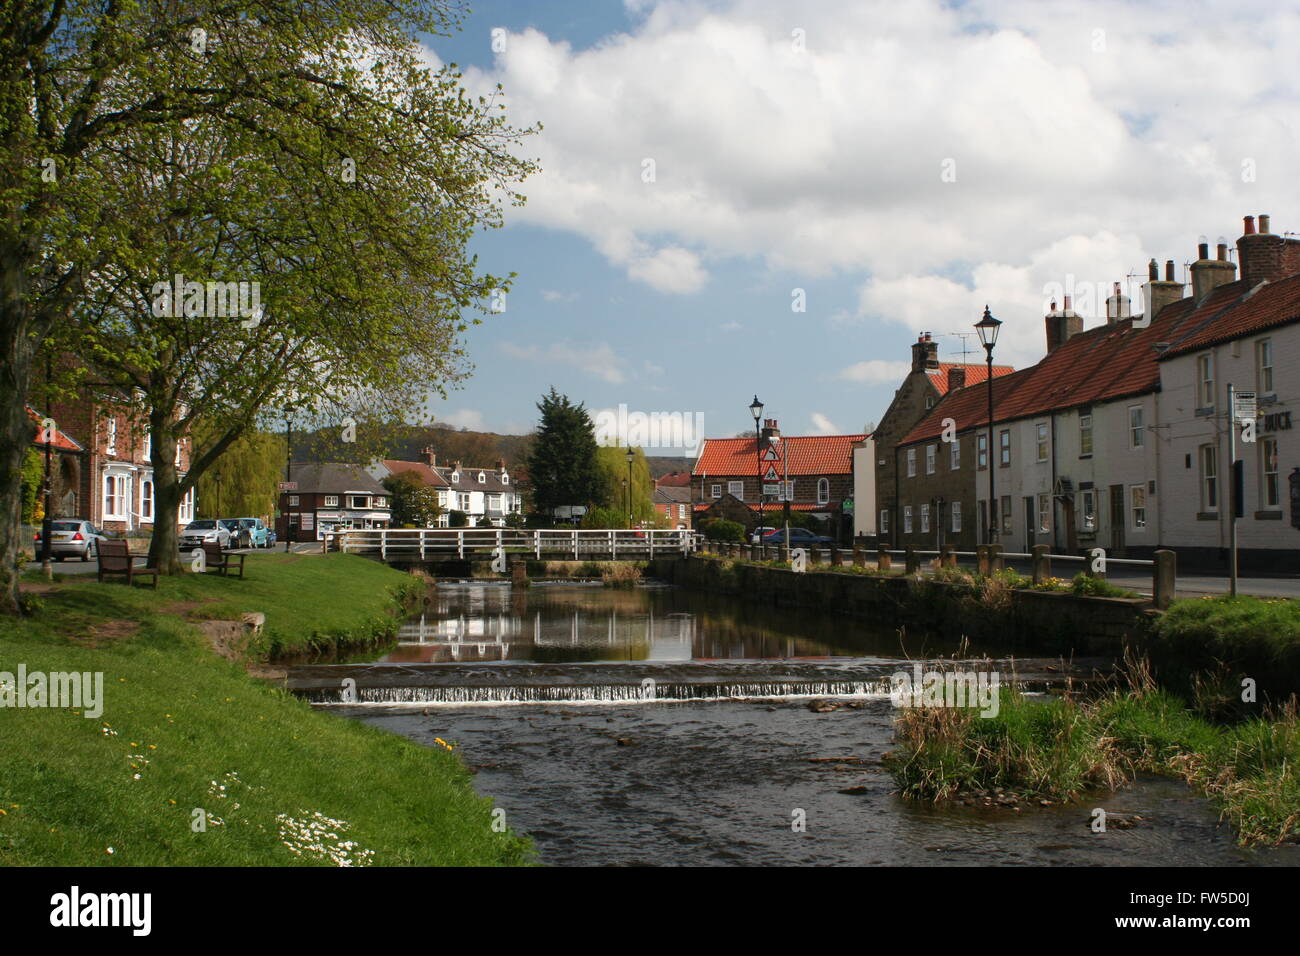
(975, 372)
(770, 507)
(809, 455)
(61, 440)
(426, 474)
(1272, 304)
(677, 479)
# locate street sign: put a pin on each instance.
(288, 486)
(1243, 406)
(847, 505)
(772, 490)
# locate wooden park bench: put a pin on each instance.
(115, 558)
(223, 561)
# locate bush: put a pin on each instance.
(457, 519)
(720, 529)
(1098, 587)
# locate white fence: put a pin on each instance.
(431, 544)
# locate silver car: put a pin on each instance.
(70, 538)
(204, 531)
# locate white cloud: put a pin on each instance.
(876, 372)
(464, 418)
(552, 295)
(598, 360)
(823, 425)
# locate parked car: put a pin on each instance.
(270, 537)
(761, 532)
(71, 537)
(800, 538)
(251, 533)
(205, 531)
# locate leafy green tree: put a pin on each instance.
(562, 468)
(611, 462)
(414, 502)
(33, 483)
(303, 145)
(243, 483)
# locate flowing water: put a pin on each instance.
(658, 726)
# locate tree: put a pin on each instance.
(304, 143)
(562, 467)
(414, 502)
(244, 482)
(611, 461)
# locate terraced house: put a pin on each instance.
(487, 496)
(1118, 437)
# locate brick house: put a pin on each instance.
(109, 481)
(484, 494)
(925, 385)
(330, 497)
(673, 502)
(814, 473)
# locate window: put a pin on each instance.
(1136, 433)
(1004, 447)
(111, 443)
(1204, 381)
(493, 502)
(736, 489)
(481, 477)
(455, 477)
(186, 509)
(788, 491)
(114, 496)
(331, 501)
(293, 501)
(359, 501)
(1268, 470)
(954, 454)
(715, 491)
(911, 463)
(884, 520)
(955, 508)
(823, 491)
(925, 518)
(1041, 438)
(146, 500)
(1006, 514)
(178, 453)
(1085, 436)
(148, 446)
(981, 451)
(1088, 511)
(1209, 478)
(681, 512)
(1264, 365)
(381, 502)
(907, 519)
(1044, 513)
(505, 479)
(1138, 506)
(931, 453)
(463, 501)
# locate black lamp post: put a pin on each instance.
(756, 409)
(288, 470)
(631, 456)
(988, 327)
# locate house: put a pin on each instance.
(924, 386)
(328, 497)
(673, 501)
(813, 473)
(108, 480)
(1118, 437)
(485, 495)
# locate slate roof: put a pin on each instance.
(332, 478)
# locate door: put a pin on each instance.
(1117, 519)
(1031, 524)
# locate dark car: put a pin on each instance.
(800, 538)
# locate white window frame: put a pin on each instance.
(113, 496)
(364, 499)
(911, 463)
(931, 458)
(736, 489)
(293, 501)
(1270, 492)
(1136, 427)
(1208, 461)
(146, 499)
(1085, 436)
(185, 510)
(463, 501)
(110, 443)
(954, 455)
(981, 451)
(1044, 513)
(955, 510)
(925, 518)
(1004, 448)
(331, 501)
(148, 446)
(884, 520)
(1264, 366)
(1205, 381)
(179, 445)
(1041, 440)
(907, 519)
(1088, 510)
(823, 491)
(1137, 507)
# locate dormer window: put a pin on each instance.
(455, 477)
(505, 479)
(481, 478)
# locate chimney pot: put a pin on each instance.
(1067, 303)
(1203, 250)
(1153, 270)
(1249, 225)
(1169, 271)
(1223, 252)
(1263, 224)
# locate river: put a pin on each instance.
(653, 725)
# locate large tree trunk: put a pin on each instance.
(164, 548)
(16, 431)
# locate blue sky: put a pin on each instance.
(901, 167)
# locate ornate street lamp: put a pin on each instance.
(631, 457)
(756, 409)
(988, 327)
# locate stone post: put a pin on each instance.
(947, 557)
(982, 559)
(814, 555)
(837, 559)
(884, 560)
(995, 557)
(1165, 574)
(913, 563)
(859, 559)
(1042, 564)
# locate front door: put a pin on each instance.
(1117, 519)
(1031, 523)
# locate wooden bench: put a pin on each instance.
(218, 560)
(115, 558)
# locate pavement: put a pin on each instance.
(77, 566)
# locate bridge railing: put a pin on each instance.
(427, 544)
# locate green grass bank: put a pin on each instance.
(193, 762)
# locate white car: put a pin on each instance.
(204, 531)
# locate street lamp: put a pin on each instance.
(987, 327)
(631, 457)
(288, 469)
(756, 409)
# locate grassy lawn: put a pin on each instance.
(183, 731)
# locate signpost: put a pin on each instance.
(1241, 410)
(288, 486)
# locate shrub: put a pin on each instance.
(720, 529)
(457, 519)
(1098, 587)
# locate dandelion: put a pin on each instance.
(109, 850)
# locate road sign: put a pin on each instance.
(847, 505)
(1243, 406)
(772, 489)
(288, 486)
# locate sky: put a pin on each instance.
(745, 198)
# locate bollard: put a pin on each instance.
(913, 562)
(837, 560)
(814, 555)
(753, 552)
(995, 557)
(982, 559)
(1165, 578)
(1042, 564)
(859, 559)
(947, 557)
(784, 553)
(884, 560)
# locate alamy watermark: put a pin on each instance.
(946, 688)
(620, 427)
(181, 297)
(37, 689)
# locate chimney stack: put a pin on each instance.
(770, 429)
(1118, 306)
(430, 456)
(1208, 274)
(956, 377)
(925, 353)
(1062, 325)
(1158, 293)
(501, 465)
(1265, 257)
